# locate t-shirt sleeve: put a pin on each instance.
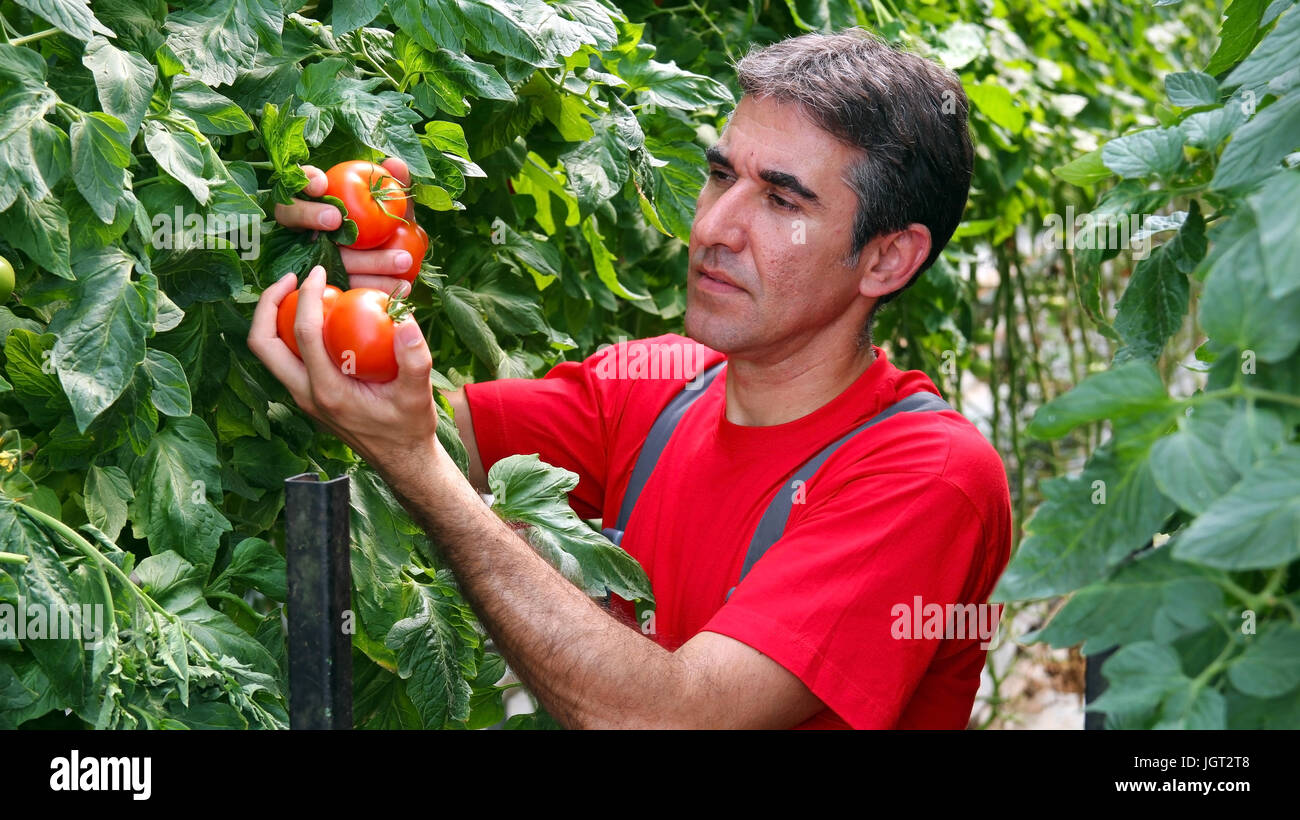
(562, 417)
(826, 601)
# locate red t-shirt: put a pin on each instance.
(914, 511)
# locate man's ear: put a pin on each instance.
(889, 261)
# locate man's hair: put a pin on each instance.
(905, 114)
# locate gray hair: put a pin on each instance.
(906, 115)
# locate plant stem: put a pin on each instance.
(13, 558)
(31, 38)
(235, 599)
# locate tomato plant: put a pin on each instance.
(375, 200)
(288, 311)
(359, 333)
(414, 240)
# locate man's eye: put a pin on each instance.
(783, 204)
(720, 176)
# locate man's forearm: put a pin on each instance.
(586, 668)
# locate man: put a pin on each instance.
(838, 179)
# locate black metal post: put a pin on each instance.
(320, 585)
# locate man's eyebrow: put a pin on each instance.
(780, 179)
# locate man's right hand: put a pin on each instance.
(366, 269)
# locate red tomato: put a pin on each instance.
(359, 334)
(375, 200)
(412, 239)
(289, 310)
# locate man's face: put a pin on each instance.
(772, 227)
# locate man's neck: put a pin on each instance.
(762, 394)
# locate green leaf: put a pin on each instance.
(266, 464)
(1206, 129)
(677, 183)
(1254, 525)
(255, 564)
(178, 153)
(463, 313)
(177, 586)
(1279, 241)
(1087, 169)
(174, 483)
(101, 334)
(1237, 35)
(1251, 434)
(1257, 148)
(1188, 89)
(435, 646)
(1129, 389)
(1236, 307)
(124, 80)
(667, 85)
(1152, 598)
(40, 229)
(348, 17)
(1156, 151)
(1155, 302)
(71, 16)
(217, 39)
(213, 113)
(526, 489)
(1085, 526)
(1189, 466)
(44, 580)
(382, 120)
(604, 261)
(1140, 677)
(171, 390)
(598, 168)
(995, 102)
(1270, 666)
(1274, 56)
(107, 491)
(101, 152)
(283, 135)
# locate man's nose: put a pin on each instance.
(721, 220)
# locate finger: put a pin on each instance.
(414, 361)
(317, 216)
(397, 167)
(265, 343)
(316, 181)
(376, 263)
(384, 283)
(324, 376)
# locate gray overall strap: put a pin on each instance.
(772, 524)
(655, 442)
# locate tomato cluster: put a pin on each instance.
(378, 203)
(358, 331)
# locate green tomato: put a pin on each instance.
(6, 279)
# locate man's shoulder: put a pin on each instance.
(941, 444)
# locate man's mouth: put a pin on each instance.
(716, 281)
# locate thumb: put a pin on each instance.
(414, 361)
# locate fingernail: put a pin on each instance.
(329, 220)
(410, 334)
(402, 260)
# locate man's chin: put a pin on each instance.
(715, 332)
